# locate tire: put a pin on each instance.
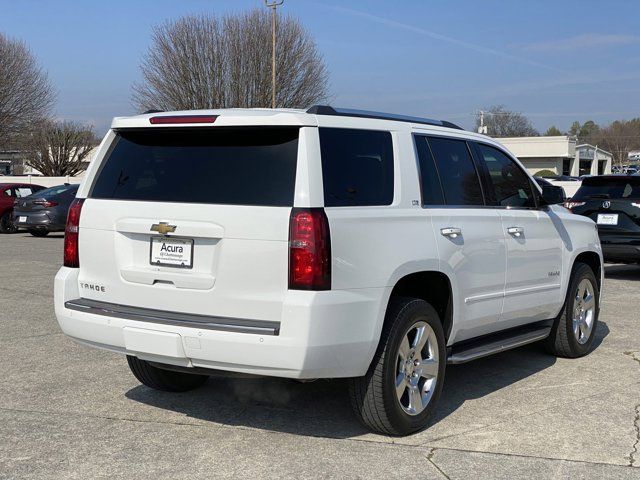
(38, 232)
(564, 340)
(374, 397)
(164, 380)
(6, 223)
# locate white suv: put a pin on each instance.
(319, 244)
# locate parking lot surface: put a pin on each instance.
(67, 411)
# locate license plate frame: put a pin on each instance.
(180, 262)
(607, 219)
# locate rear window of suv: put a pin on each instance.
(357, 167)
(608, 187)
(231, 166)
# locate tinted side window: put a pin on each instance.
(511, 185)
(429, 179)
(458, 174)
(357, 167)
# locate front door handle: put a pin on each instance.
(451, 232)
(515, 231)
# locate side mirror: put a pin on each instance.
(553, 194)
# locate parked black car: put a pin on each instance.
(44, 211)
(613, 202)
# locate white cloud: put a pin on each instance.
(588, 40)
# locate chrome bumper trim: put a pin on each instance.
(237, 325)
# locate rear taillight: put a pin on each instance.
(71, 232)
(45, 203)
(572, 205)
(309, 250)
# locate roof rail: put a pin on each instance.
(349, 112)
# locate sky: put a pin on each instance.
(555, 61)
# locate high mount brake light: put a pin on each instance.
(181, 119)
(71, 234)
(309, 250)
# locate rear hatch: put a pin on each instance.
(193, 220)
(613, 202)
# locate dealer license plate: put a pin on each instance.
(22, 219)
(172, 252)
(607, 219)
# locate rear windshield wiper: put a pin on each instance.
(599, 195)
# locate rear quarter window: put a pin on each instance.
(357, 167)
(231, 166)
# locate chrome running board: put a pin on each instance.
(496, 343)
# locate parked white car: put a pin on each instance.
(319, 244)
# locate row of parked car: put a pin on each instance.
(628, 170)
(34, 208)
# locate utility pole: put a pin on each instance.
(482, 128)
(273, 5)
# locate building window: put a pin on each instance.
(585, 167)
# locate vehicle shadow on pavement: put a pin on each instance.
(28, 235)
(321, 408)
(622, 272)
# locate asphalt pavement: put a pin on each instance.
(70, 412)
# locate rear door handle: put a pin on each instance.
(515, 231)
(451, 232)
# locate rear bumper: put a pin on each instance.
(319, 334)
(38, 220)
(620, 248)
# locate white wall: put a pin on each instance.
(534, 165)
(570, 188)
(540, 147)
(43, 181)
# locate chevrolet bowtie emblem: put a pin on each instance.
(163, 228)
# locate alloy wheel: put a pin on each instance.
(417, 368)
(584, 311)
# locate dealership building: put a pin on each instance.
(560, 155)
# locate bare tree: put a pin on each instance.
(620, 137)
(58, 149)
(26, 95)
(221, 62)
(501, 122)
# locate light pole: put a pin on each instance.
(273, 5)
